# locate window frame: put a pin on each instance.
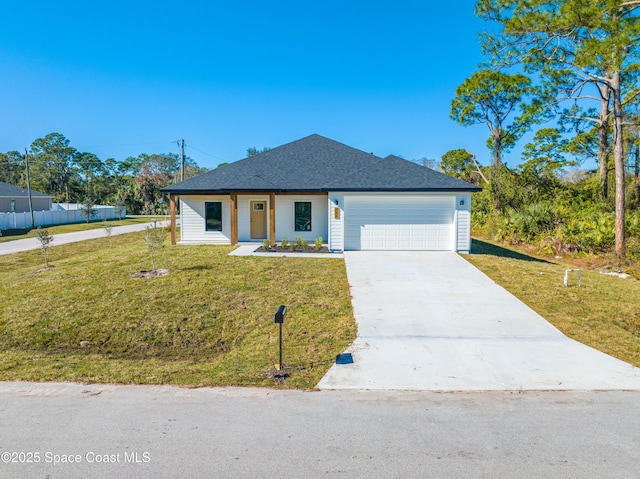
(296, 217)
(206, 216)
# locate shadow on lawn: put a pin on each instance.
(197, 267)
(16, 232)
(482, 247)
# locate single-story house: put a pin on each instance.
(14, 199)
(316, 187)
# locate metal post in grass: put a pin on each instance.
(279, 319)
(566, 276)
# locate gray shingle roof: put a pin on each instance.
(8, 190)
(316, 163)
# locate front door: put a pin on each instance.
(258, 218)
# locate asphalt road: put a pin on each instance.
(158, 432)
(17, 246)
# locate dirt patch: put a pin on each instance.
(280, 249)
(48, 268)
(278, 375)
(148, 274)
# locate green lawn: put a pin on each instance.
(16, 234)
(209, 322)
(604, 312)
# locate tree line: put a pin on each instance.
(568, 70)
(72, 176)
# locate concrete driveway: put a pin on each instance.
(432, 321)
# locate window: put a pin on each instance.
(302, 215)
(213, 216)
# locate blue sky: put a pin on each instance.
(123, 78)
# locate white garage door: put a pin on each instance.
(399, 223)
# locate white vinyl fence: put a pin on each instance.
(61, 214)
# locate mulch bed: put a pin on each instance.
(280, 249)
(148, 274)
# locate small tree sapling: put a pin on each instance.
(45, 240)
(154, 238)
(107, 231)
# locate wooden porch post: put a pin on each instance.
(272, 219)
(172, 213)
(234, 218)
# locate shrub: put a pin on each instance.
(318, 243)
(633, 223)
(266, 244)
(633, 248)
(533, 221)
(304, 244)
(500, 227)
(481, 208)
(593, 232)
(285, 242)
(570, 236)
(298, 241)
(88, 209)
(602, 231)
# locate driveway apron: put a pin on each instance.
(432, 321)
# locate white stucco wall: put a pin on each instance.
(285, 217)
(463, 223)
(192, 227)
(336, 222)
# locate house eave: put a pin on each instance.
(243, 191)
(406, 190)
(318, 190)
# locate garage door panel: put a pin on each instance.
(400, 223)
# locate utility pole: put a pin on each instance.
(182, 160)
(26, 159)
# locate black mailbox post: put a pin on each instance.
(279, 319)
(280, 314)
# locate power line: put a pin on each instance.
(205, 153)
(181, 143)
(131, 144)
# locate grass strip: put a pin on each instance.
(604, 312)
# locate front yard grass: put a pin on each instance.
(210, 322)
(604, 312)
